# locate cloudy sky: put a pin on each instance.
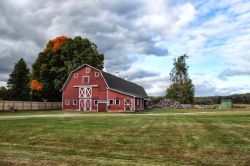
(139, 38)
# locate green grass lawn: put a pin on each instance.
(193, 110)
(220, 139)
(147, 111)
(30, 112)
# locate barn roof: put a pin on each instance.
(122, 85)
(116, 83)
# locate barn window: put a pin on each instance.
(117, 102)
(85, 79)
(87, 70)
(111, 101)
(74, 102)
(75, 75)
(95, 102)
(96, 74)
(67, 102)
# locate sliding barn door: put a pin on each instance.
(85, 99)
(128, 104)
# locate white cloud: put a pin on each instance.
(161, 18)
(154, 85)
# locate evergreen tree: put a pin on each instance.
(3, 92)
(18, 82)
(60, 56)
(181, 89)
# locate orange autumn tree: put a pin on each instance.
(54, 44)
(36, 86)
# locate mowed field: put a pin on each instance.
(162, 138)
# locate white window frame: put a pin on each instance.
(74, 101)
(83, 79)
(67, 101)
(111, 100)
(97, 74)
(118, 102)
(138, 102)
(87, 70)
(95, 102)
(75, 75)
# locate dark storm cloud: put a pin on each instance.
(19, 37)
(3, 77)
(131, 8)
(17, 25)
(225, 74)
(7, 64)
(140, 73)
(205, 88)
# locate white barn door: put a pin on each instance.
(85, 98)
(128, 104)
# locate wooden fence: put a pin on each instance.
(28, 105)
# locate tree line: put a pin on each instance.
(236, 99)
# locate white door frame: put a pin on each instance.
(101, 102)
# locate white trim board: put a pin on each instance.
(85, 86)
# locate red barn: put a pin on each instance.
(90, 89)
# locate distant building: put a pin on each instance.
(226, 104)
(90, 89)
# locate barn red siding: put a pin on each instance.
(113, 95)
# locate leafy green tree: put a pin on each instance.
(3, 92)
(18, 82)
(59, 58)
(181, 89)
(78, 51)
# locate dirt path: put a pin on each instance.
(122, 114)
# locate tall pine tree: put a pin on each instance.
(18, 82)
(181, 89)
(3, 93)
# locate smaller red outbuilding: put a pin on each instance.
(90, 89)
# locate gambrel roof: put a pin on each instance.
(122, 85)
(116, 83)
